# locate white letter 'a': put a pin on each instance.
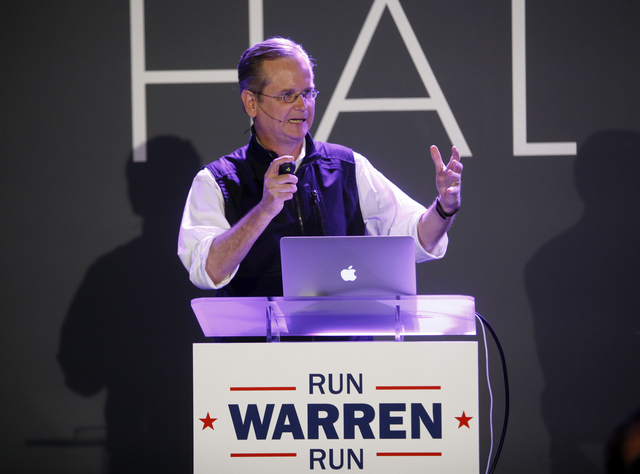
(436, 100)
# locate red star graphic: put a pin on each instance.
(208, 421)
(464, 420)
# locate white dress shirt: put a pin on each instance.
(386, 210)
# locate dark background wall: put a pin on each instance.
(546, 244)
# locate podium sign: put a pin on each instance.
(373, 407)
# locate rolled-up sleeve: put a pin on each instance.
(387, 210)
(203, 220)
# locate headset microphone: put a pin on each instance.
(285, 168)
(269, 115)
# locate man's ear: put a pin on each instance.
(249, 100)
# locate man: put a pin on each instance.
(240, 206)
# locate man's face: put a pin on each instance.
(281, 126)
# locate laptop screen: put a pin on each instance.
(348, 266)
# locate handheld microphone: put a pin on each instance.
(287, 168)
(265, 112)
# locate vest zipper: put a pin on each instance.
(316, 202)
(296, 199)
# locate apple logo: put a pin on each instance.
(348, 274)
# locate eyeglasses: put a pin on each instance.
(291, 97)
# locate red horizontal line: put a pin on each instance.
(409, 454)
(260, 389)
(409, 387)
(263, 455)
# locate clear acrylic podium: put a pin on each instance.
(397, 316)
(371, 406)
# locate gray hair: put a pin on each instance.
(250, 74)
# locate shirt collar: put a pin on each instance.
(303, 150)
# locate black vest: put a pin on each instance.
(326, 203)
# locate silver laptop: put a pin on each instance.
(348, 266)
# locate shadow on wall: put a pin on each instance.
(130, 327)
(583, 287)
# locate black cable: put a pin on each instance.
(506, 392)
